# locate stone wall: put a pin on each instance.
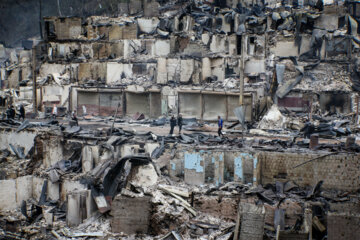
(338, 171)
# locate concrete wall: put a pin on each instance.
(14, 191)
(213, 166)
(343, 226)
(208, 106)
(137, 103)
(190, 104)
(23, 139)
(200, 166)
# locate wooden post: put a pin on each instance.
(241, 96)
(238, 221)
(34, 80)
(357, 109)
(112, 126)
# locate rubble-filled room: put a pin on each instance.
(180, 119)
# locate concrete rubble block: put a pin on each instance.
(194, 168)
(70, 186)
(130, 215)
(54, 176)
(161, 48)
(252, 221)
(96, 154)
(53, 151)
(144, 175)
(23, 139)
(24, 189)
(343, 226)
(148, 25)
(219, 44)
(76, 208)
(87, 159)
(8, 194)
(127, 150)
(150, 147)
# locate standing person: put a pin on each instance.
(220, 126)
(172, 124)
(22, 112)
(8, 112)
(180, 122)
(12, 112)
(54, 111)
(74, 117)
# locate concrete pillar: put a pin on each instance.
(314, 141)
(87, 159)
(76, 208)
(219, 169)
(206, 68)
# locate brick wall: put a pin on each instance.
(339, 171)
(343, 226)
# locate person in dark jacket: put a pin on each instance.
(180, 122)
(22, 112)
(220, 126)
(10, 112)
(172, 124)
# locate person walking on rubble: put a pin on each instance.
(172, 124)
(54, 111)
(220, 126)
(10, 112)
(180, 122)
(74, 117)
(22, 112)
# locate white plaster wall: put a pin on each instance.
(7, 194)
(114, 71)
(23, 139)
(24, 189)
(161, 48)
(255, 66)
(284, 49)
(148, 25)
(187, 69)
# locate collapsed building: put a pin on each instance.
(287, 64)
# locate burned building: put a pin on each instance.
(94, 158)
